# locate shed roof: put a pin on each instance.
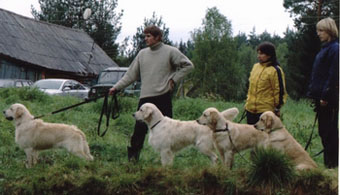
(50, 46)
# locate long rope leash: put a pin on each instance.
(107, 109)
(69, 107)
(231, 141)
(244, 114)
(311, 135)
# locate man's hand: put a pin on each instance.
(323, 103)
(112, 91)
(277, 112)
(172, 84)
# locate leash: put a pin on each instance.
(231, 141)
(243, 115)
(319, 153)
(69, 107)
(311, 135)
(108, 109)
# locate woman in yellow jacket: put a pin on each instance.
(267, 88)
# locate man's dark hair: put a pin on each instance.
(268, 49)
(154, 31)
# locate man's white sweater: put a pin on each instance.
(155, 66)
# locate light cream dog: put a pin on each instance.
(231, 137)
(33, 135)
(168, 136)
(281, 139)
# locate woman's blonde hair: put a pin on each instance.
(328, 25)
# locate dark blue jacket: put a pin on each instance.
(324, 83)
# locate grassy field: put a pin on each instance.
(59, 172)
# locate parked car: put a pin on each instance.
(4, 83)
(107, 78)
(62, 87)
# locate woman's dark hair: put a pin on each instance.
(268, 49)
(154, 31)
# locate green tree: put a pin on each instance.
(186, 48)
(215, 56)
(103, 25)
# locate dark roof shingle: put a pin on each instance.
(50, 46)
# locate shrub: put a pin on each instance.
(13, 95)
(271, 168)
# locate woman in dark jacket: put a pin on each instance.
(324, 89)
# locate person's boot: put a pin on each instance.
(133, 155)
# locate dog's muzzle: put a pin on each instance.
(9, 118)
(198, 121)
(256, 127)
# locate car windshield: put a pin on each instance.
(110, 77)
(6, 83)
(46, 84)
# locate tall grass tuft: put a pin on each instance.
(317, 181)
(270, 169)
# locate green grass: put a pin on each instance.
(59, 172)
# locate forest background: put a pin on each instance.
(222, 61)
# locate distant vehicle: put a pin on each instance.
(107, 78)
(62, 87)
(4, 83)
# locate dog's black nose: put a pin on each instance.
(133, 115)
(3, 112)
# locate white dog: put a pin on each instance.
(281, 139)
(168, 136)
(231, 137)
(33, 135)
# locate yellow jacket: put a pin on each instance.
(264, 90)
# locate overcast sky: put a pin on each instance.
(183, 16)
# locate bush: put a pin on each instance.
(13, 95)
(270, 168)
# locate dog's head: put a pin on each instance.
(213, 119)
(268, 120)
(15, 111)
(148, 113)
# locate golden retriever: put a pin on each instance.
(281, 139)
(242, 136)
(33, 135)
(167, 136)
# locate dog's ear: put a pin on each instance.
(213, 119)
(19, 111)
(269, 121)
(219, 121)
(147, 112)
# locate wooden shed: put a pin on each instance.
(31, 49)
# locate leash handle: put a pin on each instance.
(114, 108)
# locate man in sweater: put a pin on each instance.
(159, 67)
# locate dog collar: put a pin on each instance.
(153, 126)
(221, 130)
(275, 129)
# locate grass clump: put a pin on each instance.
(270, 169)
